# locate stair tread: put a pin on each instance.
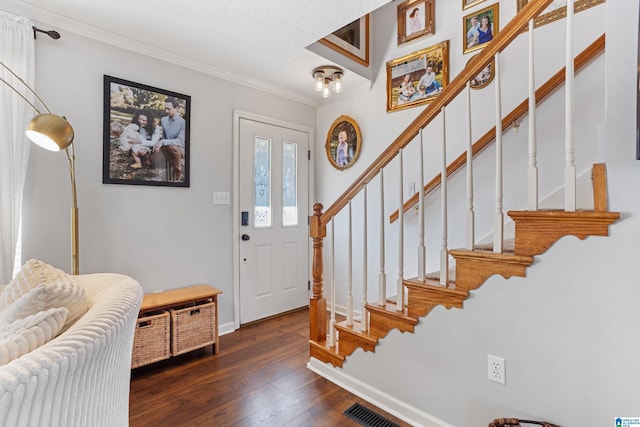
(508, 245)
(389, 309)
(505, 255)
(355, 327)
(434, 284)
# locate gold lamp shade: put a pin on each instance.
(50, 132)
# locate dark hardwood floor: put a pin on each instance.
(259, 378)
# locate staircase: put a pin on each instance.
(535, 230)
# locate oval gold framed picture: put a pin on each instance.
(484, 77)
(344, 141)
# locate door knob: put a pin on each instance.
(245, 237)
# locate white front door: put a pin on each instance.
(274, 231)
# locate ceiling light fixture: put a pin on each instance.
(327, 79)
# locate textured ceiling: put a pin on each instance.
(261, 43)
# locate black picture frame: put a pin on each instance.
(131, 151)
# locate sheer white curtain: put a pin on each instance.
(17, 53)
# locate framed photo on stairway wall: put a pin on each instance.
(352, 40)
(145, 135)
(480, 27)
(416, 20)
(466, 4)
(344, 141)
(484, 77)
(558, 9)
(416, 79)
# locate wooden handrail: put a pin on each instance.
(477, 64)
(523, 108)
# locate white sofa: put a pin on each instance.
(82, 376)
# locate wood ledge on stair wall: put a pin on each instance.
(536, 231)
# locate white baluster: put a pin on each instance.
(498, 227)
(471, 223)
(364, 317)
(399, 284)
(332, 322)
(444, 253)
(382, 277)
(570, 165)
(422, 257)
(533, 145)
(350, 272)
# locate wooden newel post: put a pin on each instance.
(318, 303)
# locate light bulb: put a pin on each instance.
(319, 83)
(337, 82)
(325, 89)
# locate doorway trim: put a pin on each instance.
(237, 116)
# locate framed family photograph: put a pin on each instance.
(466, 4)
(344, 141)
(480, 28)
(484, 77)
(415, 20)
(352, 40)
(145, 135)
(417, 78)
(558, 9)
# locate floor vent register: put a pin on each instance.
(367, 417)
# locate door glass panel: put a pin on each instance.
(262, 177)
(289, 184)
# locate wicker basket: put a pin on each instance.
(151, 339)
(192, 327)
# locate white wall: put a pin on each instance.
(164, 237)
(568, 331)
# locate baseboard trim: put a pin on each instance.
(382, 400)
(227, 328)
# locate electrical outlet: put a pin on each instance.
(496, 369)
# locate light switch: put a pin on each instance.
(221, 198)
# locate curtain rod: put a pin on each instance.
(53, 34)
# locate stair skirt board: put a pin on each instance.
(367, 417)
(384, 401)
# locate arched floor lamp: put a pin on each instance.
(53, 133)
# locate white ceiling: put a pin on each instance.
(261, 43)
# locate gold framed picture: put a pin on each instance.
(480, 28)
(484, 77)
(417, 78)
(344, 141)
(466, 4)
(352, 40)
(416, 20)
(558, 10)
